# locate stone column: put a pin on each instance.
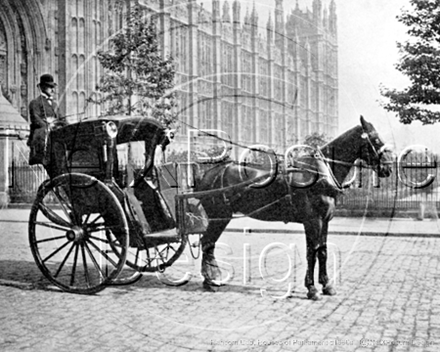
(12, 126)
(4, 166)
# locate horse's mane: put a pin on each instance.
(346, 136)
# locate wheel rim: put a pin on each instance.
(75, 224)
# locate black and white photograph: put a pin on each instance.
(219, 175)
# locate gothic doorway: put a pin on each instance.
(22, 42)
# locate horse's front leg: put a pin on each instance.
(210, 271)
(327, 288)
(313, 232)
(311, 261)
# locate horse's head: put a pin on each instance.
(374, 151)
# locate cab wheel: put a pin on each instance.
(75, 224)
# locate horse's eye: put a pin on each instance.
(377, 141)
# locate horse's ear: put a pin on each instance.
(364, 124)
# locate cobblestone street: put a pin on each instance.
(387, 300)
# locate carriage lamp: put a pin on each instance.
(112, 129)
(170, 134)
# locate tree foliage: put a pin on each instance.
(137, 79)
(420, 61)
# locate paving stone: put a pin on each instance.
(388, 291)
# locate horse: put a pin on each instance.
(281, 200)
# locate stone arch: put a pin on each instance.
(26, 37)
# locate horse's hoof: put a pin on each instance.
(210, 286)
(328, 290)
(313, 294)
(216, 283)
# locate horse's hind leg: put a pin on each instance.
(210, 270)
(327, 288)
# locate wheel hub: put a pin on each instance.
(76, 234)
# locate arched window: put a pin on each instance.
(73, 108)
(74, 72)
(74, 36)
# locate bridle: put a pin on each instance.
(378, 153)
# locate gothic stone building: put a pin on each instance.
(270, 84)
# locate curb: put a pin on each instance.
(248, 231)
(16, 221)
(19, 206)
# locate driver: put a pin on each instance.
(43, 118)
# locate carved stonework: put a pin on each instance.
(23, 90)
(246, 39)
(204, 18)
(180, 9)
(227, 31)
(201, 15)
(48, 44)
(226, 13)
(23, 68)
(12, 95)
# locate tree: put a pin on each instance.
(420, 61)
(316, 140)
(137, 79)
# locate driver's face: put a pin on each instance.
(48, 90)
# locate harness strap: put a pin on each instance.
(332, 175)
(222, 185)
(289, 194)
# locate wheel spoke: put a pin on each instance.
(95, 263)
(87, 218)
(138, 260)
(159, 255)
(96, 219)
(75, 261)
(63, 204)
(49, 239)
(104, 240)
(46, 224)
(51, 215)
(97, 227)
(168, 250)
(86, 271)
(64, 261)
(105, 255)
(117, 244)
(55, 252)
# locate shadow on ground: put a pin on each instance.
(25, 275)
